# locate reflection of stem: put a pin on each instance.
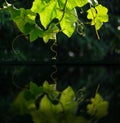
(52, 75)
(97, 88)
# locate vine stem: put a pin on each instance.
(54, 51)
(63, 11)
(55, 44)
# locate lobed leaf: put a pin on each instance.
(98, 15)
(98, 107)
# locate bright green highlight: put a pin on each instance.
(62, 10)
(98, 15)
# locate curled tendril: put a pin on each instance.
(54, 51)
(80, 28)
(52, 75)
(14, 42)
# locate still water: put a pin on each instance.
(59, 94)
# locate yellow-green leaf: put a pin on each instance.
(68, 23)
(67, 100)
(98, 15)
(98, 107)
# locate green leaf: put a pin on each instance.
(98, 107)
(35, 89)
(35, 33)
(48, 87)
(67, 100)
(71, 4)
(46, 10)
(81, 3)
(27, 28)
(23, 18)
(39, 5)
(98, 15)
(51, 33)
(48, 108)
(68, 23)
(21, 105)
(91, 13)
(102, 13)
(62, 10)
(51, 92)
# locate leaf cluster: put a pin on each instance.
(64, 11)
(46, 104)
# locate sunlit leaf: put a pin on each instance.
(98, 15)
(68, 23)
(72, 3)
(102, 13)
(50, 33)
(22, 17)
(46, 10)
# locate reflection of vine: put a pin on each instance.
(14, 83)
(52, 75)
(80, 95)
(98, 86)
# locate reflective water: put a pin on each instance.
(59, 94)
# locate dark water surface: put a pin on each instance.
(84, 81)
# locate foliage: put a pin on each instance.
(98, 106)
(55, 16)
(98, 16)
(46, 104)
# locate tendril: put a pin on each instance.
(14, 42)
(52, 75)
(15, 84)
